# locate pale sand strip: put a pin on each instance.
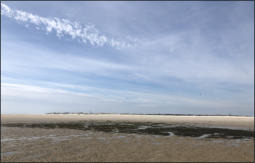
(235, 122)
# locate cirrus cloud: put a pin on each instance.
(86, 33)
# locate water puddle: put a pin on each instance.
(9, 153)
(52, 137)
(204, 136)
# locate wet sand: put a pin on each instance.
(35, 144)
(235, 122)
(21, 144)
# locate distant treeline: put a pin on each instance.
(146, 114)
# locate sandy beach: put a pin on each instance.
(237, 122)
(38, 143)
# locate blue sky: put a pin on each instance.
(128, 57)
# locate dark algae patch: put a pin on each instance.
(145, 128)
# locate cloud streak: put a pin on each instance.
(85, 33)
(100, 99)
(187, 59)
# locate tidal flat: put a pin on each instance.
(122, 140)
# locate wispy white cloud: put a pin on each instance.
(22, 62)
(182, 55)
(188, 56)
(86, 33)
(99, 99)
(166, 72)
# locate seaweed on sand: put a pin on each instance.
(145, 128)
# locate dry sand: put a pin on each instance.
(236, 122)
(38, 144)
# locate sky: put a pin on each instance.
(127, 57)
